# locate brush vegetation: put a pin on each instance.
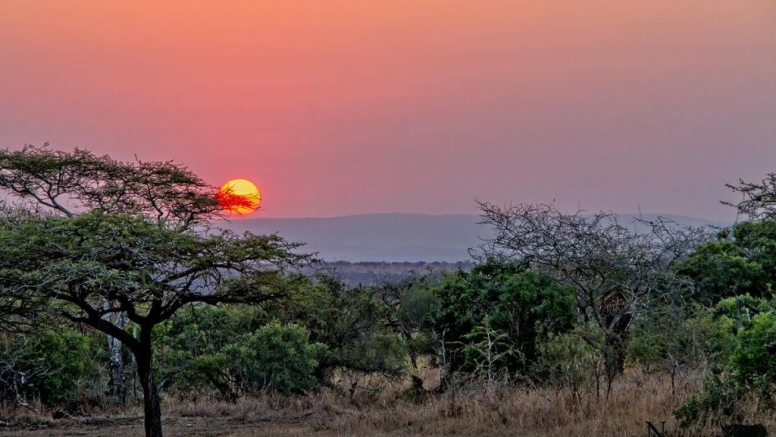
(121, 308)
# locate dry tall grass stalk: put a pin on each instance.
(500, 410)
(497, 410)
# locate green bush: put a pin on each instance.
(718, 398)
(56, 367)
(568, 361)
(499, 313)
(749, 371)
(741, 261)
(276, 357)
(669, 339)
(353, 324)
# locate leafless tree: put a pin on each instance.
(615, 269)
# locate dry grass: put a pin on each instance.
(498, 411)
(483, 411)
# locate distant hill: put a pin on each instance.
(376, 237)
(393, 237)
(377, 273)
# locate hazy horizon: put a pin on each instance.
(399, 236)
(347, 107)
(258, 215)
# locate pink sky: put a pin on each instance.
(345, 107)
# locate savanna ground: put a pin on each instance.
(477, 411)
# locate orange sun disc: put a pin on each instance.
(239, 197)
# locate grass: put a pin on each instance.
(494, 410)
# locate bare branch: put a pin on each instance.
(759, 199)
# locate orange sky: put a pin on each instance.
(342, 107)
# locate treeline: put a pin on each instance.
(505, 321)
(125, 298)
(374, 273)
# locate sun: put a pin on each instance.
(239, 197)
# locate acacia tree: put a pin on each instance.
(408, 302)
(742, 259)
(758, 199)
(91, 237)
(20, 309)
(614, 269)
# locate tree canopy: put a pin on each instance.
(614, 269)
(91, 237)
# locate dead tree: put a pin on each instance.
(615, 269)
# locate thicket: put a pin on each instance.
(555, 300)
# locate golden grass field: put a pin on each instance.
(498, 411)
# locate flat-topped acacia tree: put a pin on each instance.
(89, 237)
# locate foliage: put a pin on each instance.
(233, 351)
(500, 312)
(750, 370)
(678, 340)
(408, 304)
(76, 358)
(55, 367)
(612, 268)
(96, 237)
(718, 398)
(276, 357)
(199, 333)
(353, 324)
(348, 327)
(754, 363)
(741, 261)
(567, 362)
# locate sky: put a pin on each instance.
(343, 107)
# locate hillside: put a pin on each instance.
(394, 237)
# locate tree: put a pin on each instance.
(355, 327)
(409, 302)
(494, 318)
(747, 370)
(92, 237)
(742, 260)
(759, 199)
(20, 310)
(615, 270)
(737, 273)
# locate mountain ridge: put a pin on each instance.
(397, 237)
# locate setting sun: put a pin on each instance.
(240, 197)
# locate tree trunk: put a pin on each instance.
(118, 381)
(153, 410)
(614, 357)
(410, 350)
